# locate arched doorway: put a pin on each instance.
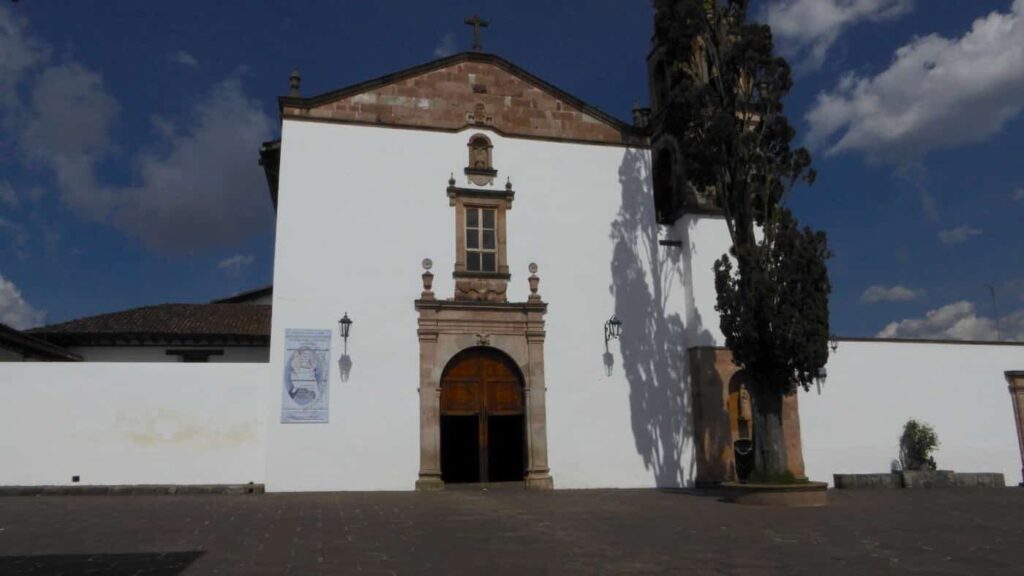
(483, 437)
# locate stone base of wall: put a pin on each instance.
(132, 490)
(919, 479)
(866, 481)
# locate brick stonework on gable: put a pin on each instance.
(471, 91)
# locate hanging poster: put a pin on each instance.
(305, 396)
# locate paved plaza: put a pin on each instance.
(512, 531)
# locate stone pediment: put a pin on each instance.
(467, 90)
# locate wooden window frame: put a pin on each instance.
(463, 199)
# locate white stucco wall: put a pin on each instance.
(360, 207)
(873, 388)
(116, 424)
(159, 353)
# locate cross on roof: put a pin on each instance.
(477, 23)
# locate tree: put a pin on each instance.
(725, 113)
(917, 443)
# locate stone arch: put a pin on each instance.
(516, 336)
(482, 413)
(480, 152)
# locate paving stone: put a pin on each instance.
(512, 532)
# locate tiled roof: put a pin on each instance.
(32, 346)
(247, 296)
(175, 322)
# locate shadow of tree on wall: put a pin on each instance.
(654, 341)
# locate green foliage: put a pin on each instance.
(774, 305)
(917, 443)
(726, 114)
(724, 109)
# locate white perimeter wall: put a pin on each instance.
(117, 424)
(360, 207)
(873, 388)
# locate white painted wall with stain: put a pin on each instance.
(117, 424)
(873, 388)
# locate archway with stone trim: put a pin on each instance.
(483, 434)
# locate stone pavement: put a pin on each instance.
(505, 531)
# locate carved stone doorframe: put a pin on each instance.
(448, 327)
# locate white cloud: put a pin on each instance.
(236, 263)
(68, 129)
(7, 195)
(1018, 194)
(807, 29)
(202, 189)
(14, 310)
(207, 190)
(20, 53)
(877, 293)
(937, 93)
(446, 46)
(17, 233)
(958, 235)
(185, 59)
(958, 321)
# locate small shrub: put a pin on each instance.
(916, 446)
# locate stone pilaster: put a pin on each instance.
(430, 419)
(1016, 380)
(538, 474)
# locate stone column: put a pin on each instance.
(430, 416)
(538, 474)
(1016, 380)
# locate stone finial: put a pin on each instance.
(508, 184)
(451, 179)
(534, 282)
(428, 280)
(293, 82)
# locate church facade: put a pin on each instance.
(525, 295)
(535, 214)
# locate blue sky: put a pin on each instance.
(129, 134)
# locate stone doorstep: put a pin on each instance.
(919, 479)
(132, 490)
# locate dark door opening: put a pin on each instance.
(460, 452)
(505, 448)
(483, 436)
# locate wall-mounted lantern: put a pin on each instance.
(833, 343)
(612, 329)
(344, 327)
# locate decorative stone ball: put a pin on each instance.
(533, 267)
(428, 263)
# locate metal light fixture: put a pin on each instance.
(819, 379)
(344, 326)
(612, 329)
(833, 343)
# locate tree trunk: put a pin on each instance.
(769, 441)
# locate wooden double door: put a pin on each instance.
(483, 436)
